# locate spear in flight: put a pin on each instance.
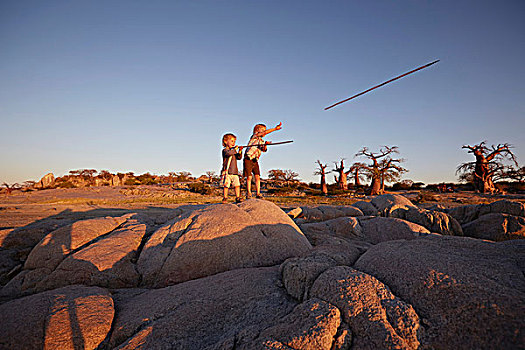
(386, 82)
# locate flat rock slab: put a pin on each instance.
(59, 244)
(108, 262)
(327, 212)
(347, 227)
(388, 202)
(367, 208)
(220, 238)
(380, 229)
(471, 293)
(73, 317)
(227, 308)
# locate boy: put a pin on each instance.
(251, 157)
(229, 172)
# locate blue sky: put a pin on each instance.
(153, 85)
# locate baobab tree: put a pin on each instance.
(276, 175)
(356, 169)
(383, 169)
(10, 187)
(282, 177)
(390, 171)
(211, 176)
(322, 172)
(488, 165)
(342, 181)
(290, 175)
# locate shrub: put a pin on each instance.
(66, 184)
(146, 179)
(337, 192)
(197, 187)
(131, 182)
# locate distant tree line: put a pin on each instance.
(492, 165)
(495, 164)
(382, 168)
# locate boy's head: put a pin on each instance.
(259, 128)
(227, 139)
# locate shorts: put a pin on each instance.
(251, 166)
(231, 180)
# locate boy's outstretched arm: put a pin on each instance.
(278, 127)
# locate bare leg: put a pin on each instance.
(249, 186)
(237, 192)
(258, 185)
(225, 193)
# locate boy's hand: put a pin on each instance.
(239, 148)
(267, 142)
(279, 126)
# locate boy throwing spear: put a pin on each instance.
(251, 157)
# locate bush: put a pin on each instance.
(66, 184)
(131, 182)
(146, 179)
(337, 192)
(197, 187)
(510, 186)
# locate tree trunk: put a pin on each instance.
(324, 188)
(356, 179)
(482, 179)
(343, 181)
(375, 186)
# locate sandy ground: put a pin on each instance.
(22, 208)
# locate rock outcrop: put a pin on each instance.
(115, 181)
(325, 212)
(373, 313)
(74, 317)
(435, 221)
(367, 228)
(390, 202)
(311, 325)
(388, 205)
(497, 221)
(106, 263)
(244, 307)
(367, 208)
(246, 276)
(217, 239)
(496, 227)
(470, 292)
(468, 213)
(46, 181)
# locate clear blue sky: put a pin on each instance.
(153, 85)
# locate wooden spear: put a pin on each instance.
(267, 144)
(386, 82)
